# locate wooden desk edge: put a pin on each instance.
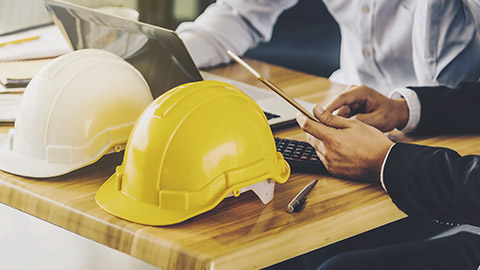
(62, 215)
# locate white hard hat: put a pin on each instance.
(77, 108)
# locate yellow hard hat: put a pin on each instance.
(190, 148)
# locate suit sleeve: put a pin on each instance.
(434, 182)
(449, 110)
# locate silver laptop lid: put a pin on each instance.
(158, 53)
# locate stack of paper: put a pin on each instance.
(22, 55)
(10, 97)
(36, 43)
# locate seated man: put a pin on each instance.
(432, 182)
(384, 44)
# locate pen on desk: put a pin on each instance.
(296, 204)
(16, 41)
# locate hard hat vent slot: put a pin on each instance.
(11, 136)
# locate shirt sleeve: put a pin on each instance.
(474, 6)
(235, 25)
(434, 182)
(414, 107)
(444, 42)
(382, 181)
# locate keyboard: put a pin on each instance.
(301, 156)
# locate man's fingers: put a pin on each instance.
(344, 111)
(366, 118)
(329, 119)
(344, 99)
(318, 130)
(376, 120)
(372, 119)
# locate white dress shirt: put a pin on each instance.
(386, 44)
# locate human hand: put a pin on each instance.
(347, 147)
(369, 106)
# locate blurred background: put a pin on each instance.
(306, 38)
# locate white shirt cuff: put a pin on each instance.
(203, 51)
(414, 107)
(383, 167)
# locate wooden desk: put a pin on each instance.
(240, 233)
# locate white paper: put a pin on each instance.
(51, 43)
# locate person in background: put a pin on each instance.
(385, 44)
(430, 182)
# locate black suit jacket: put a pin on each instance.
(437, 182)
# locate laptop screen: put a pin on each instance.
(158, 53)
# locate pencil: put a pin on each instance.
(16, 41)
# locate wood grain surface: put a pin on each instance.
(240, 233)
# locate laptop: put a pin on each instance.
(158, 53)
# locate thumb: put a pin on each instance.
(329, 119)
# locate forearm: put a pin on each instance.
(230, 25)
(434, 182)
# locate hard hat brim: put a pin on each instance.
(115, 202)
(111, 199)
(14, 163)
